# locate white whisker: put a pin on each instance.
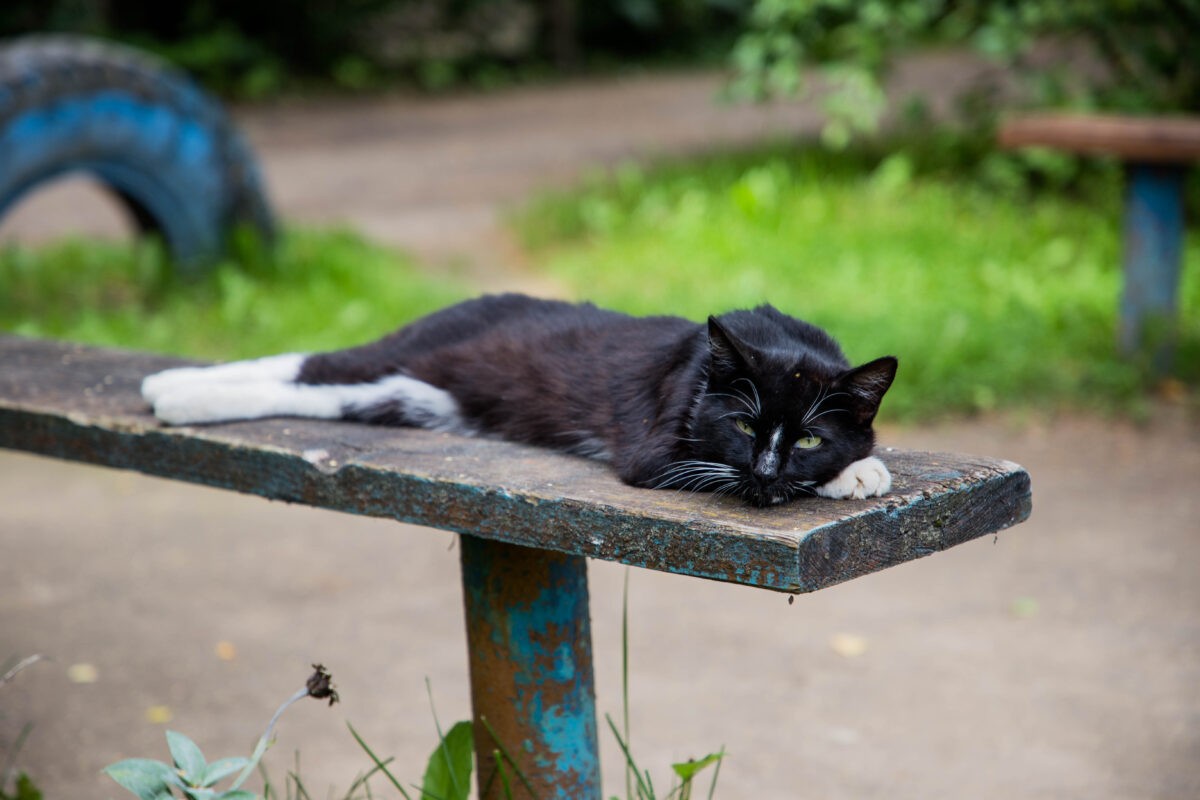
(741, 398)
(730, 488)
(810, 415)
(757, 400)
(693, 475)
(816, 403)
(813, 419)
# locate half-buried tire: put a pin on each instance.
(170, 153)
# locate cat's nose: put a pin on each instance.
(766, 466)
(765, 478)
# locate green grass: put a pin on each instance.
(991, 296)
(320, 290)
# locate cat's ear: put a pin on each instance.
(866, 386)
(726, 351)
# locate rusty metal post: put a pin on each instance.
(1153, 258)
(530, 648)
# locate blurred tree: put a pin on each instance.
(80, 16)
(1147, 50)
(252, 47)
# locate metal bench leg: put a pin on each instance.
(1153, 255)
(530, 642)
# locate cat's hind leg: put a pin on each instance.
(282, 368)
(395, 400)
(867, 477)
(195, 403)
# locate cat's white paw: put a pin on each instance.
(160, 383)
(196, 404)
(200, 403)
(865, 478)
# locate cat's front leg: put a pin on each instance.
(867, 477)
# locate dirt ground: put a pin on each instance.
(1058, 659)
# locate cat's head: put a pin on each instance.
(782, 411)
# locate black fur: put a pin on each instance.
(659, 397)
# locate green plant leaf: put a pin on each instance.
(687, 770)
(237, 794)
(448, 774)
(188, 758)
(643, 789)
(222, 768)
(26, 790)
(144, 777)
(507, 756)
(379, 764)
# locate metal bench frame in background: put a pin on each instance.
(1157, 153)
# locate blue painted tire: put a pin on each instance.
(144, 130)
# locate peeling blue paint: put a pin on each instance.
(538, 665)
(540, 657)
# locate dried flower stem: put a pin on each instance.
(22, 664)
(318, 686)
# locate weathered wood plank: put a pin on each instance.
(81, 403)
(1158, 139)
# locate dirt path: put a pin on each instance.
(1060, 659)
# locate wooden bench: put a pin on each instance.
(1156, 152)
(529, 519)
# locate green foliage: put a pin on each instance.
(448, 773)
(321, 290)
(24, 789)
(225, 59)
(686, 772)
(23, 786)
(992, 297)
(251, 48)
(1147, 49)
(689, 769)
(638, 783)
(381, 765)
(189, 774)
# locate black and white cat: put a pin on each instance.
(755, 404)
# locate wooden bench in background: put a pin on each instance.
(1156, 152)
(528, 521)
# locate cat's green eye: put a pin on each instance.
(743, 426)
(808, 442)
